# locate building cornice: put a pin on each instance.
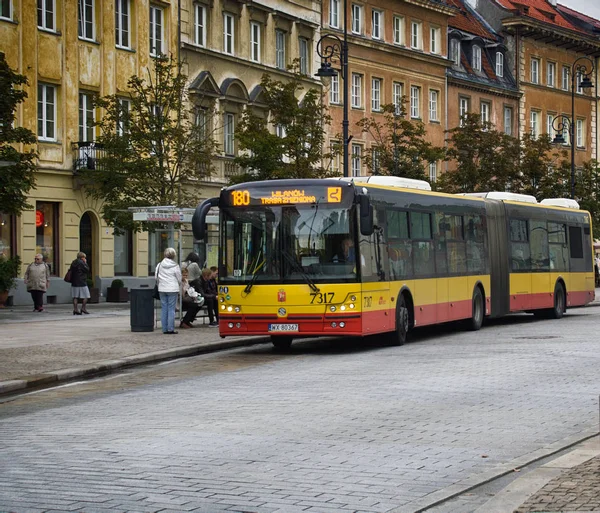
(484, 88)
(434, 6)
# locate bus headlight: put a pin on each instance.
(237, 309)
(343, 307)
(351, 305)
(230, 325)
(342, 324)
(332, 308)
(352, 298)
(222, 299)
(222, 307)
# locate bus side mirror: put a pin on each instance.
(366, 215)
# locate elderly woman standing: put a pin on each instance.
(168, 278)
(37, 280)
(79, 288)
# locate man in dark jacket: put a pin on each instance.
(209, 292)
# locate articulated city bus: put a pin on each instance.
(384, 255)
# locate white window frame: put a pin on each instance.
(416, 35)
(399, 30)
(87, 118)
(534, 123)
(334, 164)
(255, 46)
(228, 33)
(334, 13)
(433, 171)
(566, 78)
(47, 105)
(304, 55)
(122, 23)
(551, 74)
(455, 51)
(356, 101)
(357, 19)
(485, 112)
(356, 159)
(535, 70)
(433, 105)
(124, 105)
(9, 15)
(46, 15)
(477, 58)
(376, 94)
(157, 24)
(415, 102)
(549, 126)
(499, 64)
(508, 120)
(86, 28)
(397, 93)
(200, 22)
(578, 79)
(435, 43)
(334, 89)
(579, 132)
(377, 24)
(463, 109)
(229, 134)
(280, 49)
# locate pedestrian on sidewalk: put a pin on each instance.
(209, 292)
(79, 289)
(192, 301)
(168, 278)
(192, 264)
(37, 280)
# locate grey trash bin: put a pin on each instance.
(142, 310)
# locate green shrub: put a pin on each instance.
(9, 270)
(117, 284)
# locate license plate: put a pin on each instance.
(283, 327)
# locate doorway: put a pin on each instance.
(86, 241)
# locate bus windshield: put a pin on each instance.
(288, 244)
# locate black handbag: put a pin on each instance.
(155, 292)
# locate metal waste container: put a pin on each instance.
(142, 310)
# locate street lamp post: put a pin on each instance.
(579, 71)
(328, 47)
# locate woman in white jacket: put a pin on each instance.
(168, 277)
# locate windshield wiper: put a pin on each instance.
(294, 265)
(250, 284)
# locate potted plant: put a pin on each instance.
(9, 270)
(94, 292)
(117, 292)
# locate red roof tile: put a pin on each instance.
(467, 22)
(576, 14)
(540, 10)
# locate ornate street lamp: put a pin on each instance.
(328, 47)
(579, 71)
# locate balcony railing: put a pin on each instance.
(87, 154)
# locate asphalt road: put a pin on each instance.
(336, 425)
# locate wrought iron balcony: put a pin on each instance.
(86, 155)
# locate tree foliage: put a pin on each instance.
(155, 152)
(17, 171)
(587, 192)
(290, 142)
(400, 148)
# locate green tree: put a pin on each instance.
(400, 148)
(17, 172)
(486, 159)
(154, 152)
(587, 192)
(290, 143)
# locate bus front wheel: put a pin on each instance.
(282, 342)
(476, 320)
(398, 337)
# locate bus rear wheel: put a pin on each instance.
(559, 302)
(282, 342)
(476, 321)
(398, 337)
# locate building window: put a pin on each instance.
(375, 161)
(416, 40)
(86, 117)
(46, 14)
(397, 93)
(7, 235)
(357, 19)
(580, 134)
(455, 51)
(228, 34)
(435, 45)
(398, 30)
(334, 91)
(508, 120)
(550, 74)
(433, 105)
(432, 171)
(334, 13)
(566, 77)
(228, 135)
(86, 19)
(535, 124)
(377, 24)
(303, 50)
(255, 41)
(46, 112)
(47, 233)
(549, 126)
(463, 109)
(123, 262)
(356, 159)
(485, 113)
(578, 79)
(280, 49)
(123, 121)
(415, 102)
(200, 25)
(535, 71)
(6, 9)
(122, 23)
(157, 35)
(334, 150)
(499, 64)
(477, 58)
(376, 94)
(356, 90)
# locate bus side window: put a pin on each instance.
(576, 249)
(457, 258)
(519, 245)
(538, 236)
(557, 247)
(422, 246)
(474, 234)
(399, 245)
(439, 230)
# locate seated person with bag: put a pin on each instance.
(210, 293)
(192, 301)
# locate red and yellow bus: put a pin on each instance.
(384, 255)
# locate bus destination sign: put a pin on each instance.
(244, 197)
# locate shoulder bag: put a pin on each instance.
(155, 292)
